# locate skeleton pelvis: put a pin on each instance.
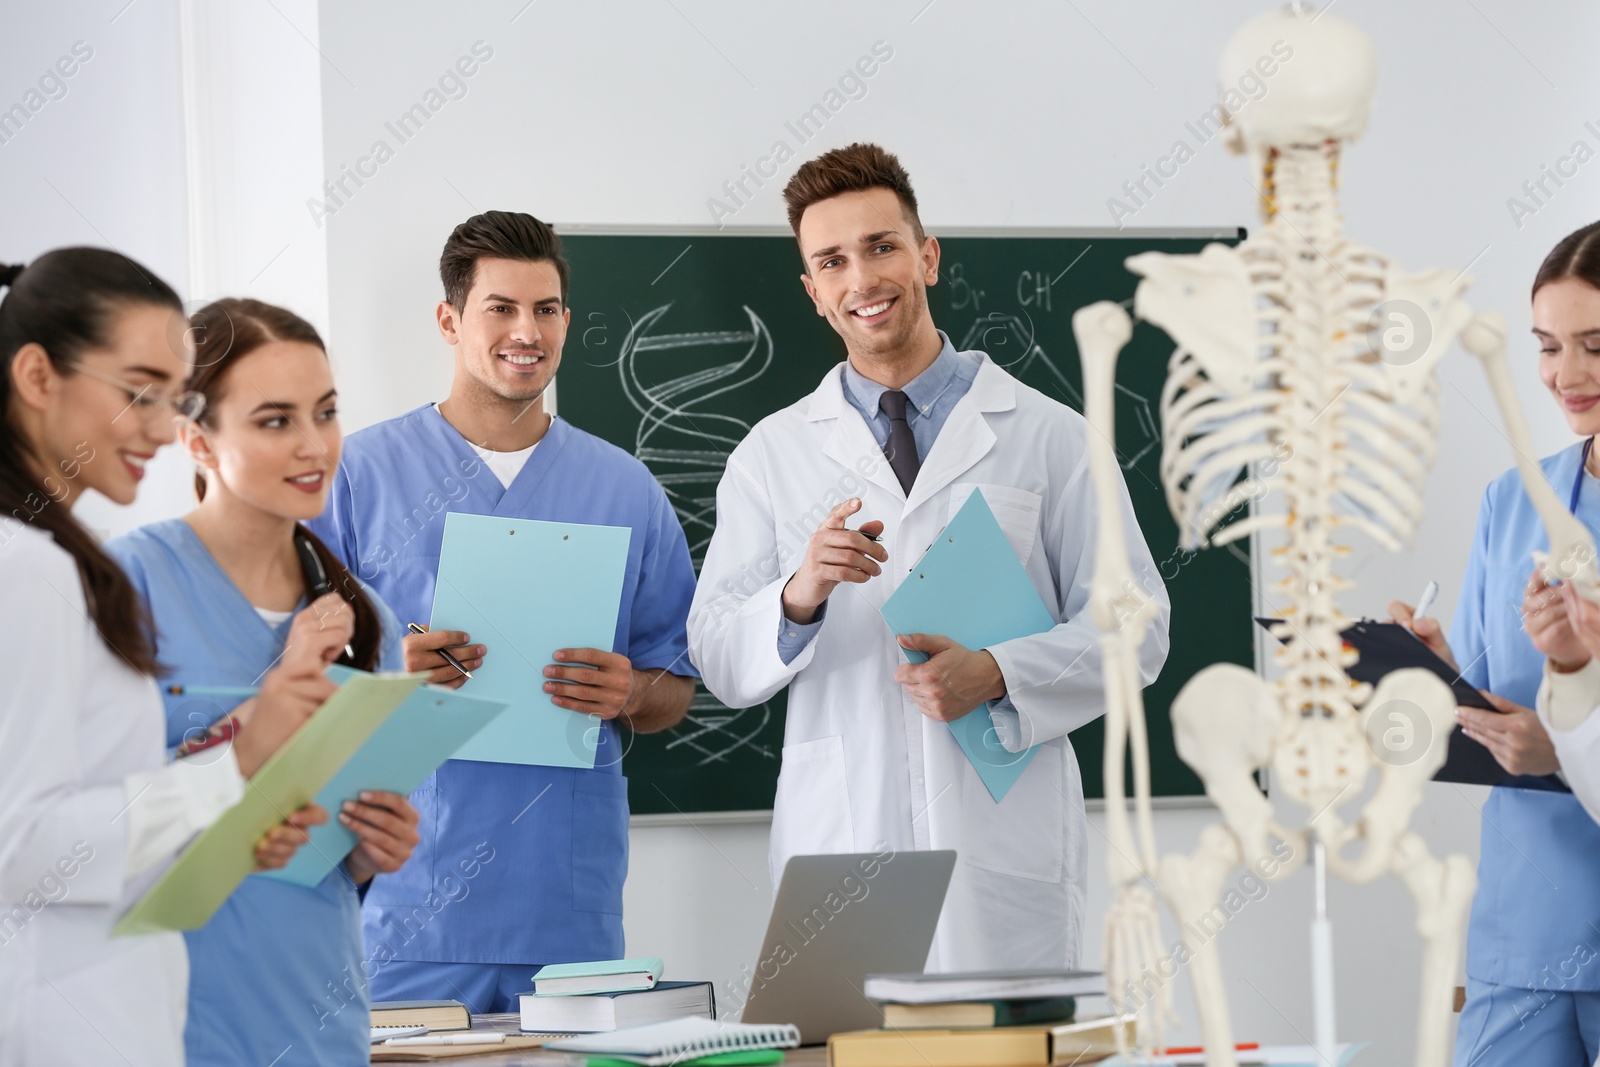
(1228, 722)
(1224, 722)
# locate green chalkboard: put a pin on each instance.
(680, 342)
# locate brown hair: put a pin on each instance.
(1577, 255)
(67, 302)
(224, 332)
(850, 169)
(496, 235)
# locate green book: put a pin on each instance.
(597, 976)
(219, 859)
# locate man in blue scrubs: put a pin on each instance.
(518, 866)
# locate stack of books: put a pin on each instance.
(980, 1018)
(577, 998)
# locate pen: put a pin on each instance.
(448, 658)
(449, 1039)
(317, 578)
(241, 691)
(1424, 602)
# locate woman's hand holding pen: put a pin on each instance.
(296, 687)
(1547, 616)
(386, 823)
(312, 633)
(1426, 628)
(423, 654)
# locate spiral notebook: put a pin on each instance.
(660, 1044)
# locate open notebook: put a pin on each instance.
(680, 1039)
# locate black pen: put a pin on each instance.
(317, 579)
(448, 658)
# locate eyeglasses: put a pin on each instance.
(148, 402)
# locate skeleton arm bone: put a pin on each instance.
(1101, 331)
(1132, 924)
(1571, 546)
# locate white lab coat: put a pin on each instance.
(863, 768)
(86, 796)
(1569, 707)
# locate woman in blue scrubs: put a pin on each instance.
(277, 975)
(1533, 946)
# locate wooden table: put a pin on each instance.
(507, 1023)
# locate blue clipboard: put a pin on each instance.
(525, 588)
(413, 741)
(970, 587)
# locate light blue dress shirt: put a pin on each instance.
(933, 394)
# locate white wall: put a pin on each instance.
(1020, 115)
(100, 165)
(109, 163)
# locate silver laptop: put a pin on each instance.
(838, 919)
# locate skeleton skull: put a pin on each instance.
(1322, 91)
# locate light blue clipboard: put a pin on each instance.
(416, 738)
(524, 588)
(970, 587)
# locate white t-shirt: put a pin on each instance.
(274, 619)
(505, 465)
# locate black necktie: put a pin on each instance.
(901, 451)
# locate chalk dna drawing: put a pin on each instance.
(671, 379)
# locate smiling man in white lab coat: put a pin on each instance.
(898, 438)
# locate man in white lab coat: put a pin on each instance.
(898, 438)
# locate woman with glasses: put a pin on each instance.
(229, 592)
(91, 349)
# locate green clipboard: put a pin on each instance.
(212, 866)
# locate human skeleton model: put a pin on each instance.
(1275, 364)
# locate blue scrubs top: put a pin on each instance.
(276, 975)
(1538, 901)
(518, 864)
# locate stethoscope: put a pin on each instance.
(1577, 483)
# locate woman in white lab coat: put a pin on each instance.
(92, 348)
